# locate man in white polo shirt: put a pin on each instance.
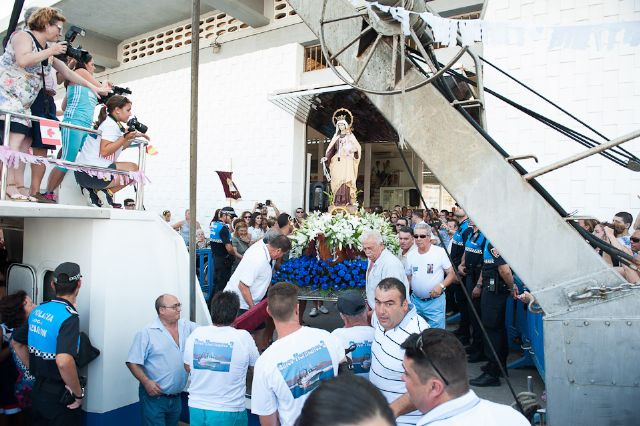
(435, 367)
(252, 277)
(382, 264)
(430, 272)
(218, 357)
(393, 320)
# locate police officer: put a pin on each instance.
(221, 247)
(471, 268)
(455, 297)
(54, 335)
(497, 284)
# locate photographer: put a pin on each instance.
(103, 151)
(78, 105)
(23, 66)
(263, 208)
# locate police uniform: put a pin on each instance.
(54, 328)
(494, 304)
(455, 296)
(473, 249)
(223, 261)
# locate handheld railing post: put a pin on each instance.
(5, 167)
(142, 160)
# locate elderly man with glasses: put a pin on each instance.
(156, 361)
(430, 272)
(435, 375)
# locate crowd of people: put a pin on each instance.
(33, 64)
(392, 355)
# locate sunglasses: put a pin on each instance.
(247, 217)
(299, 211)
(635, 240)
(419, 346)
(421, 236)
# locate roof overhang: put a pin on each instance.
(315, 107)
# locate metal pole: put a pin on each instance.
(142, 161)
(193, 158)
(595, 150)
(5, 168)
(480, 87)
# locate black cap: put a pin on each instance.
(67, 272)
(129, 202)
(351, 303)
(228, 210)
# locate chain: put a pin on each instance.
(601, 292)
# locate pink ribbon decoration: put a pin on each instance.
(13, 158)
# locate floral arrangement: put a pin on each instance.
(317, 274)
(341, 231)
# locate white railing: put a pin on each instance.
(140, 143)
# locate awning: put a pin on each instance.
(315, 107)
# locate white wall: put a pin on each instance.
(239, 130)
(599, 86)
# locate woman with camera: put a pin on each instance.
(27, 58)
(104, 150)
(78, 106)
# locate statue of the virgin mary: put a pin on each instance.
(343, 156)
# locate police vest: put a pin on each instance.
(216, 229)
(473, 250)
(457, 237)
(44, 326)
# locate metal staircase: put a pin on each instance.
(591, 342)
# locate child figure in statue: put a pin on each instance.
(343, 155)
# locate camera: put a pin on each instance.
(115, 90)
(134, 125)
(77, 53)
(267, 203)
(260, 205)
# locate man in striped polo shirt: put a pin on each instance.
(394, 320)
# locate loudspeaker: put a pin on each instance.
(414, 197)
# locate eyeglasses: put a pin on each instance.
(176, 307)
(421, 236)
(635, 240)
(419, 346)
(60, 27)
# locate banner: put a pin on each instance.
(50, 132)
(230, 188)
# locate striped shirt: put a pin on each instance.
(386, 359)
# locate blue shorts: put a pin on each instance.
(200, 417)
(72, 141)
(433, 310)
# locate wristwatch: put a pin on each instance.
(81, 394)
(442, 286)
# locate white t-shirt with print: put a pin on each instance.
(255, 271)
(290, 369)
(219, 358)
(90, 152)
(427, 270)
(362, 337)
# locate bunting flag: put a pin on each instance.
(230, 188)
(50, 132)
(599, 35)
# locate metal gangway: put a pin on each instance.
(590, 337)
(141, 144)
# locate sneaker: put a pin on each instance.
(313, 312)
(92, 197)
(108, 195)
(323, 309)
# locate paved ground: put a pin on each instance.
(500, 394)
